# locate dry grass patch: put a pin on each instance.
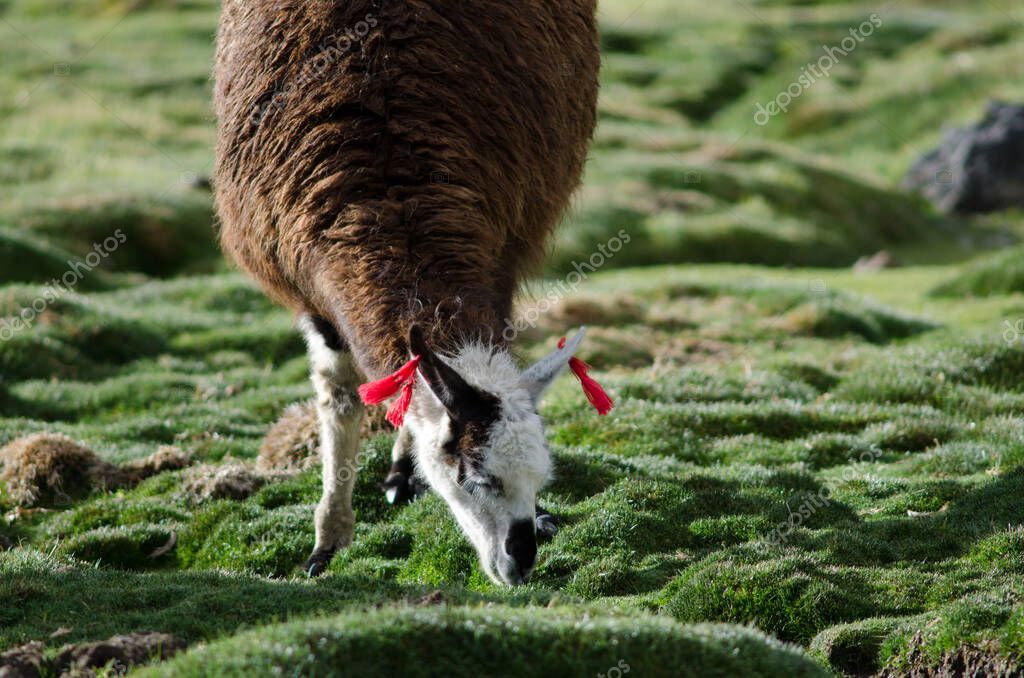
(293, 442)
(207, 482)
(51, 468)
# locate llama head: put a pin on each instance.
(481, 445)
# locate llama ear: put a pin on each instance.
(541, 374)
(447, 385)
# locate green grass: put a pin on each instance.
(1002, 273)
(809, 469)
(699, 499)
(491, 641)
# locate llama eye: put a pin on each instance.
(486, 485)
(474, 486)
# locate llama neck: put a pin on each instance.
(454, 316)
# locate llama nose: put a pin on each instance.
(521, 544)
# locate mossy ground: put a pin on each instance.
(836, 459)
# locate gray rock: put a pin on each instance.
(979, 168)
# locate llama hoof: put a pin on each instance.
(318, 562)
(547, 525)
(400, 488)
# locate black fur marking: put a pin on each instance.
(463, 401)
(463, 473)
(469, 434)
(330, 335)
(402, 479)
(521, 544)
(403, 465)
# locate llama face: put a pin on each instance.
(481, 445)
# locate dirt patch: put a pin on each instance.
(117, 654)
(25, 661)
(293, 442)
(166, 458)
(120, 651)
(691, 350)
(48, 468)
(619, 309)
(51, 468)
(964, 661)
(233, 480)
(608, 347)
(539, 316)
(877, 262)
(433, 598)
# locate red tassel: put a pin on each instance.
(396, 413)
(376, 392)
(597, 396)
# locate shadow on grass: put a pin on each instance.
(852, 569)
(935, 537)
(41, 594)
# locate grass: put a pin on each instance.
(699, 500)
(810, 470)
(468, 642)
(999, 274)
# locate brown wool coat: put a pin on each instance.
(384, 162)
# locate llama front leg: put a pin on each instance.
(547, 524)
(336, 380)
(401, 485)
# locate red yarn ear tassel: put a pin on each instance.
(593, 390)
(396, 413)
(376, 392)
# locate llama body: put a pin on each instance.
(384, 166)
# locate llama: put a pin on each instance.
(391, 171)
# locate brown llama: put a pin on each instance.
(391, 171)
